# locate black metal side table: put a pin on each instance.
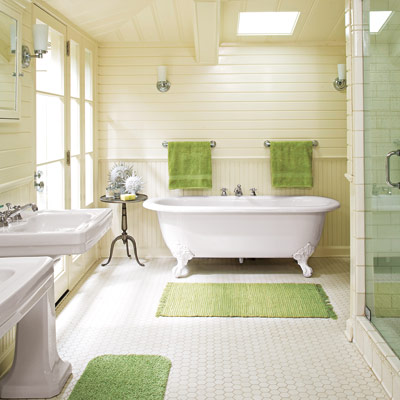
(124, 226)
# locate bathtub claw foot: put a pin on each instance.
(301, 256)
(180, 271)
(182, 255)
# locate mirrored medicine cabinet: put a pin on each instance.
(10, 67)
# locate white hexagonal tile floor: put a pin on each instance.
(113, 312)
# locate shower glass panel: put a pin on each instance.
(381, 20)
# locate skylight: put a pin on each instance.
(377, 20)
(267, 23)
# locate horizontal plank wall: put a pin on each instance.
(17, 141)
(253, 94)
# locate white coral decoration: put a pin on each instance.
(134, 184)
(120, 172)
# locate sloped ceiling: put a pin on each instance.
(171, 21)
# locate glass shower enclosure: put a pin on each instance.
(381, 19)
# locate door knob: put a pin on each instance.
(39, 186)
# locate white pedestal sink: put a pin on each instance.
(27, 285)
(54, 233)
(27, 298)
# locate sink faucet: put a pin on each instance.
(223, 192)
(253, 192)
(238, 190)
(13, 213)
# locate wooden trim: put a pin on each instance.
(5, 187)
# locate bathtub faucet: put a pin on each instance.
(238, 190)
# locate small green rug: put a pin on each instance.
(270, 300)
(133, 377)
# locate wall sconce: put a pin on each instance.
(340, 82)
(162, 84)
(40, 40)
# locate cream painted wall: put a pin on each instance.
(17, 141)
(254, 93)
(17, 163)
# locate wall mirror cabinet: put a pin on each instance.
(10, 54)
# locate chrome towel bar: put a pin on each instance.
(267, 143)
(213, 143)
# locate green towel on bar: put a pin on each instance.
(189, 165)
(291, 164)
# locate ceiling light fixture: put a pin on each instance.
(267, 23)
(377, 20)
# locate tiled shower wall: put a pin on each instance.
(382, 119)
(375, 350)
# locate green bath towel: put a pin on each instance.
(189, 165)
(291, 164)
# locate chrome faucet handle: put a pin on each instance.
(9, 206)
(253, 191)
(238, 190)
(223, 192)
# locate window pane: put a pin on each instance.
(88, 179)
(50, 68)
(75, 183)
(88, 75)
(88, 127)
(75, 127)
(52, 197)
(74, 56)
(49, 128)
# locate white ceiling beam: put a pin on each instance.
(206, 31)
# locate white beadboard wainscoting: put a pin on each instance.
(329, 181)
(274, 92)
(16, 195)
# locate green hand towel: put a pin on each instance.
(189, 165)
(291, 164)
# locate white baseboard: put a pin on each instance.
(332, 251)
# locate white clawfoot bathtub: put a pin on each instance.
(241, 227)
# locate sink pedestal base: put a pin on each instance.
(37, 371)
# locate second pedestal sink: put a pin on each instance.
(54, 233)
(27, 298)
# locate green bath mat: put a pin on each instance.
(133, 377)
(270, 300)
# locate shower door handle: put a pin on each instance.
(388, 181)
